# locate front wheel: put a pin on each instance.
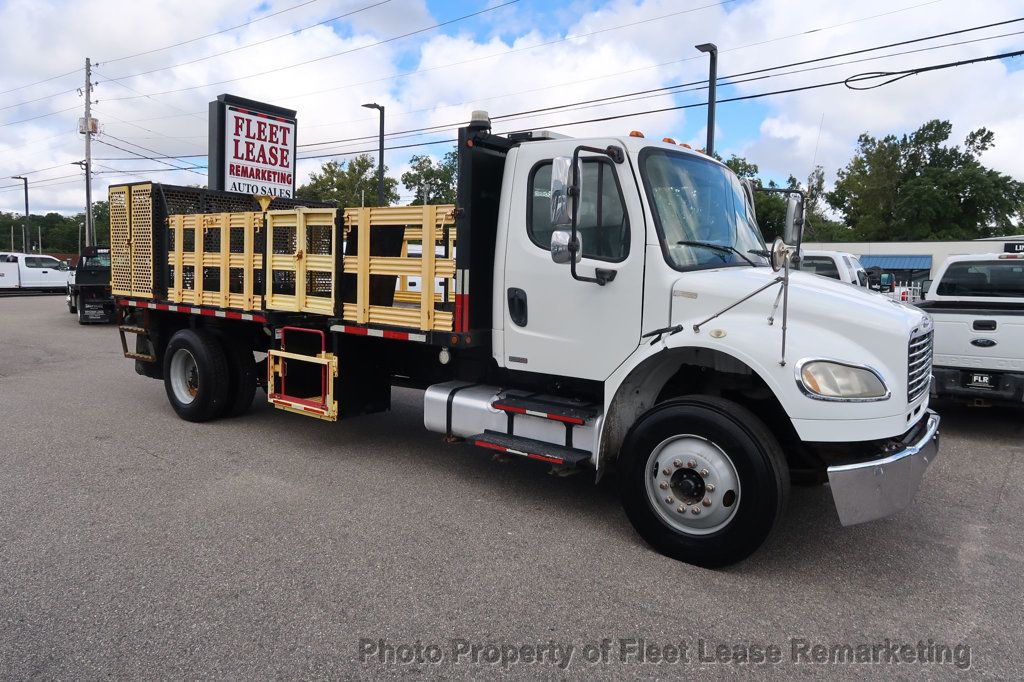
(195, 375)
(703, 480)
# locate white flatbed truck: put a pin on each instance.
(590, 304)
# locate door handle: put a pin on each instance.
(517, 310)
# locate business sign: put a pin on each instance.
(252, 147)
(1013, 247)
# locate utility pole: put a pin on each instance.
(25, 229)
(88, 127)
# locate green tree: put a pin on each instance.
(349, 184)
(916, 187)
(437, 180)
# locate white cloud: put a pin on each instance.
(503, 74)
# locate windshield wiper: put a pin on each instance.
(722, 248)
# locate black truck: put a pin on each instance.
(89, 287)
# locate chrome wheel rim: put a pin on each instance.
(184, 376)
(692, 485)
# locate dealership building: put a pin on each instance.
(917, 261)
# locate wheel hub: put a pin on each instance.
(692, 484)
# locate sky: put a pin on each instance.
(432, 62)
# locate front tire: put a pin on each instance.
(196, 375)
(703, 480)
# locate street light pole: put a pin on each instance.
(24, 231)
(712, 50)
(380, 153)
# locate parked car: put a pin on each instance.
(977, 304)
(834, 264)
(28, 271)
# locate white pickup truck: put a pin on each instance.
(27, 271)
(834, 264)
(977, 303)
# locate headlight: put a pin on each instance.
(827, 380)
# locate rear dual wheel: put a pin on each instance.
(208, 375)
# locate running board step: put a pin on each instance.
(568, 412)
(132, 329)
(144, 357)
(528, 447)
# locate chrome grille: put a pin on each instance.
(919, 365)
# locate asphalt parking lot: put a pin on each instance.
(133, 544)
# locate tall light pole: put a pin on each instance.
(712, 50)
(24, 231)
(380, 153)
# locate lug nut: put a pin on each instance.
(677, 463)
(666, 472)
(695, 510)
(706, 501)
(692, 464)
(710, 487)
(669, 500)
(663, 485)
(705, 473)
(681, 509)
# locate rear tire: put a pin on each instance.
(196, 375)
(242, 377)
(718, 463)
(81, 315)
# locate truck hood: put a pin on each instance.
(826, 319)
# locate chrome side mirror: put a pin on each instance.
(794, 229)
(560, 243)
(561, 202)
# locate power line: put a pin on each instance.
(248, 45)
(669, 89)
(210, 35)
(144, 156)
(575, 36)
(35, 118)
(331, 56)
(139, 54)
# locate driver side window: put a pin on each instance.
(602, 221)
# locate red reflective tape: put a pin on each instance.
(358, 331)
(509, 408)
(458, 313)
(491, 446)
(465, 312)
(403, 336)
(546, 459)
(563, 418)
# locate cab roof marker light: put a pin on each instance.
(668, 139)
(635, 133)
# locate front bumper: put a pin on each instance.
(877, 488)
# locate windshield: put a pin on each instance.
(983, 278)
(697, 200)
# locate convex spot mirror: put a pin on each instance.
(560, 252)
(794, 229)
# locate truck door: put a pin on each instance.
(554, 324)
